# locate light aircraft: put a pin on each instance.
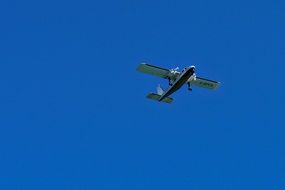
(176, 80)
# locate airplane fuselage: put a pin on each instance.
(180, 81)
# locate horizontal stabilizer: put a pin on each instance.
(154, 96)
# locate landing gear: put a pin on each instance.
(189, 86)
(169, 81)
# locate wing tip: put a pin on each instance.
(218, 85)
(139, 67)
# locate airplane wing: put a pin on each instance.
(205, 83)
(157, 71)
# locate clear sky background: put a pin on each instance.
(73, 112)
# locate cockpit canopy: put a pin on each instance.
(193, 67)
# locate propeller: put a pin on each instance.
(175, 69)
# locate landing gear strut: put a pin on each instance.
(189, 86)
(169, 81)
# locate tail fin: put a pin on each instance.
(159, 90)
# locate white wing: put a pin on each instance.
(205, 83)
(158, 71)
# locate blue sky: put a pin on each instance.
(73, 113)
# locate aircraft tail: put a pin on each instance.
(159, 90)
(156, 97)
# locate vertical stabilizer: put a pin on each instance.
(160, 91)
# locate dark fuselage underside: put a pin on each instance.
(178, 83)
